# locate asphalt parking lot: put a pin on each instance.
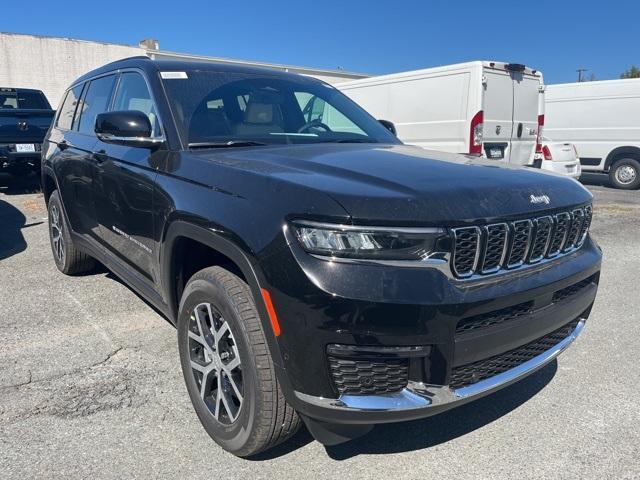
(90, 384)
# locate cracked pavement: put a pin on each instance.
(90, 384)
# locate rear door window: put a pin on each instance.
(95, 101)
(68, 109)
(133, 94)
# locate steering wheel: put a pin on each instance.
(312, 124)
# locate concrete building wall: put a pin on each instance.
(51, 64)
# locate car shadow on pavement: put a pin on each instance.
(598, 179)
(12, 221)
(11, 185)
(438, 429)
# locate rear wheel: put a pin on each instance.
(227, 367)
(67, 257)
(625, 174)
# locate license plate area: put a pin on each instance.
(495, 151)
(25, 147)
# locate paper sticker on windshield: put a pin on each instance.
(173, 75)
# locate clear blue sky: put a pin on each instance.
(372, 36)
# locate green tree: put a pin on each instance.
(633, 72)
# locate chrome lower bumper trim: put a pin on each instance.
(420, 395)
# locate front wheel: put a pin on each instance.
(66, 255)
(625, 174)
(229, 373)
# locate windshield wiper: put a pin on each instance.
(229, 144)
(351, 140)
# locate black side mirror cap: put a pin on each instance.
(126, 127)
(389, 126)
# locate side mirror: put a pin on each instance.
(126, 127)
(389, 126)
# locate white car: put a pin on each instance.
(559, 157)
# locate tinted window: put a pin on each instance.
(211, 106)
(133, 94)
(95, 101)
(68, 109)
(13, 99)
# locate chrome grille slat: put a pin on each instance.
(542, 235)
(495, 246)
(577, 218)
(562, 222)
(509, 245)
(466, 250)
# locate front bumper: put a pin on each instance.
(323, 304)
(418, 400)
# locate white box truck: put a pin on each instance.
(602, 119)
(481, 108)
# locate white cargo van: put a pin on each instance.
(602, 119)
(482, 108)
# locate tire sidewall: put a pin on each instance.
(635, 164)
(233, 437)
(54, 200)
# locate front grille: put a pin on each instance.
(368, 376)
(495, 317)
(481, 370)
(466, 243)
(508, 245)
(571, 290)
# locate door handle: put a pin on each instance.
(63, 145)
(100, 156)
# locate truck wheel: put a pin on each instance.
(227, 367)
(67, 257)
(625, 174)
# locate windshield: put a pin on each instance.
(11, 98)
(229, 108)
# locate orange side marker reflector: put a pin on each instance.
(273, 318)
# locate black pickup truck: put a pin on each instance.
(25, 117)
(317, 269)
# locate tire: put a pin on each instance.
(625, 174)
(252, 413)
(66, 255)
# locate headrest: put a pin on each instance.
(259, 113)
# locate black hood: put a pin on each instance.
(403, 184)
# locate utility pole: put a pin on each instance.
(580, 72)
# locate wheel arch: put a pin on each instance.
(48, 184)
(621, 152)
(180, 237)
(180, 230)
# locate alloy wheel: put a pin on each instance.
(215, 363)
(57, 239)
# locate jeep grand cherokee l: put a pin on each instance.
(317, 269)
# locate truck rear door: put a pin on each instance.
(510, 107)
(498, 114)
(526, 91)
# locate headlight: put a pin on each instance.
(375, 243)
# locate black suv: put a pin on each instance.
(317, 269)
